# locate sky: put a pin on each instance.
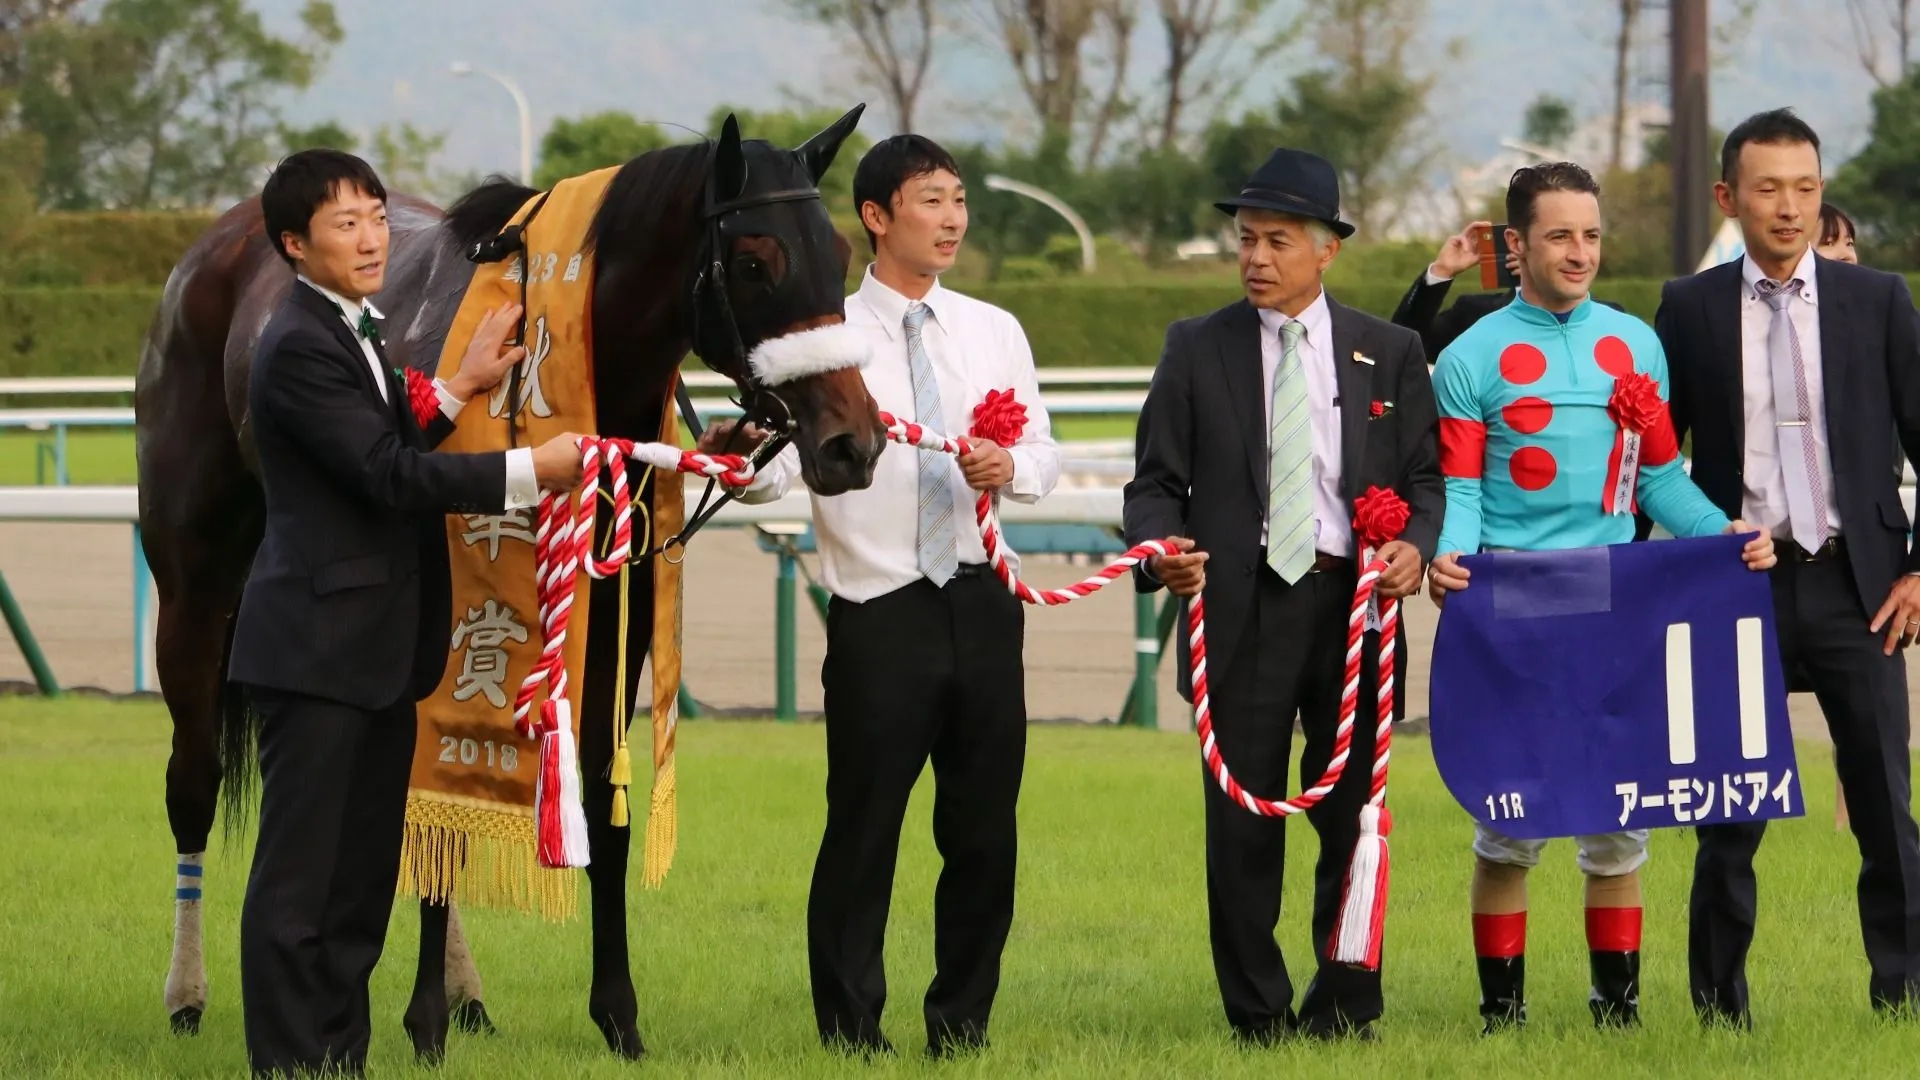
(673, 61)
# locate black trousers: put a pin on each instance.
(1291, 661)
(332, 806)
(1823, 628)
(919, 673)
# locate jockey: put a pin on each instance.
(1553, 425)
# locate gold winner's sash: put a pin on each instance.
(470, 831)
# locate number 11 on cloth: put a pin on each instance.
(1634, 686)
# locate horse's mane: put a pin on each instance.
(648, 192)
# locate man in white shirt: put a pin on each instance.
(923, 641)
(1792, 373)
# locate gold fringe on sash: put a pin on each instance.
(478, 857)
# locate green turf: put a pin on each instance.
(1107, 972)
(106, 457)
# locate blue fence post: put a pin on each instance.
(60, 454)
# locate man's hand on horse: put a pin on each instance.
(488, 357)
(1402, 575)
(557, 463)
(1184, 574)
(732, 437)
(986, 465)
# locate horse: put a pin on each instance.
(714, 246)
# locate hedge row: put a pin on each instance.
(119, 248)
(98, 331)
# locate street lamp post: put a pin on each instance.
(1001, 183)
(462, 68)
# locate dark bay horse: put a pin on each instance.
(715, 246)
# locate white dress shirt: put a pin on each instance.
(522, 488)
(1763, 503)
(868, 539)
(1332, 524)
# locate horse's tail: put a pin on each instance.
(239, 746)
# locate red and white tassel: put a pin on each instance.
(560, 818)
(1358, 930)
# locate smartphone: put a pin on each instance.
(1493, 260)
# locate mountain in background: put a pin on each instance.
(672, 61)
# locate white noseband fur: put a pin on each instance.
(809, 352)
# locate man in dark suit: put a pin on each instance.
(345, 619)
(1264, 422)
(1419, 309)
(1793, 374)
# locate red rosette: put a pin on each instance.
(422, 397)
(1379, 516)
(1635, 404)
(999, 419)
(1377, 409)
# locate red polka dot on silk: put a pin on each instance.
(1528, 415)
(1522, 364)
(1613, 356)
(1532, 468)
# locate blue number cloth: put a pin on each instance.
(1627, 686)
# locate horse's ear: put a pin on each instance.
(818, 151)
(729, 163)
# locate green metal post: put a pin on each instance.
(785, 705)
(23, 634)
(689, 705)
(821, 598)
(1146, 661)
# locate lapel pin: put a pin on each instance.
(1361, 358)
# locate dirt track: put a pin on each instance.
(75, 584)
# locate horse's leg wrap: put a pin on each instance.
(186, 989)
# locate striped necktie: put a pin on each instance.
(938, 542)
(1290, 529)
(1793, 416)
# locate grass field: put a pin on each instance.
(1107, 973)
(106, 457)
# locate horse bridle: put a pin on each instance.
(758, 402)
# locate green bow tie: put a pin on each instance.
(369, 329)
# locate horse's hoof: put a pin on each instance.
(429, 1036)
(623, 1037)
(185, 1020)
(471, 1017)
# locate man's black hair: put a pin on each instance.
(1529, 183)
(303, 182)
(1775, 127)
(890, 164)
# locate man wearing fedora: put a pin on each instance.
(1265, 420)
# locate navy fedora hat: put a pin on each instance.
(1294, 182)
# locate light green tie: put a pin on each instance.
(1290, 463)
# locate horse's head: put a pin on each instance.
(768, 303)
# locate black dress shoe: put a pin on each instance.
(1366, 1032)
(1262, 1035)
(862, 1046)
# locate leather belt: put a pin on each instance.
(969, 570)
(1323, 563)
(1835, 545)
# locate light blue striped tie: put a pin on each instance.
(938, 543)
(1290, 463)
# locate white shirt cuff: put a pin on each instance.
(522, 488)
(1435, 279)
(450, 406)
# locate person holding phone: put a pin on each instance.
(1419, 309)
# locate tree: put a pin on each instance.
(1549, 122)
(1880, 186)
(1157, 199)
(164, 102)
(894, 40)
(596, 141)
(1622, 51)
(19, 19)
(1047, 44)
(327, 134)
(1883, 38)
(403, 157)
(1360, 108)
(1211, 44)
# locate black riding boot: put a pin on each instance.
(1503, 998)
(1616, 989)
